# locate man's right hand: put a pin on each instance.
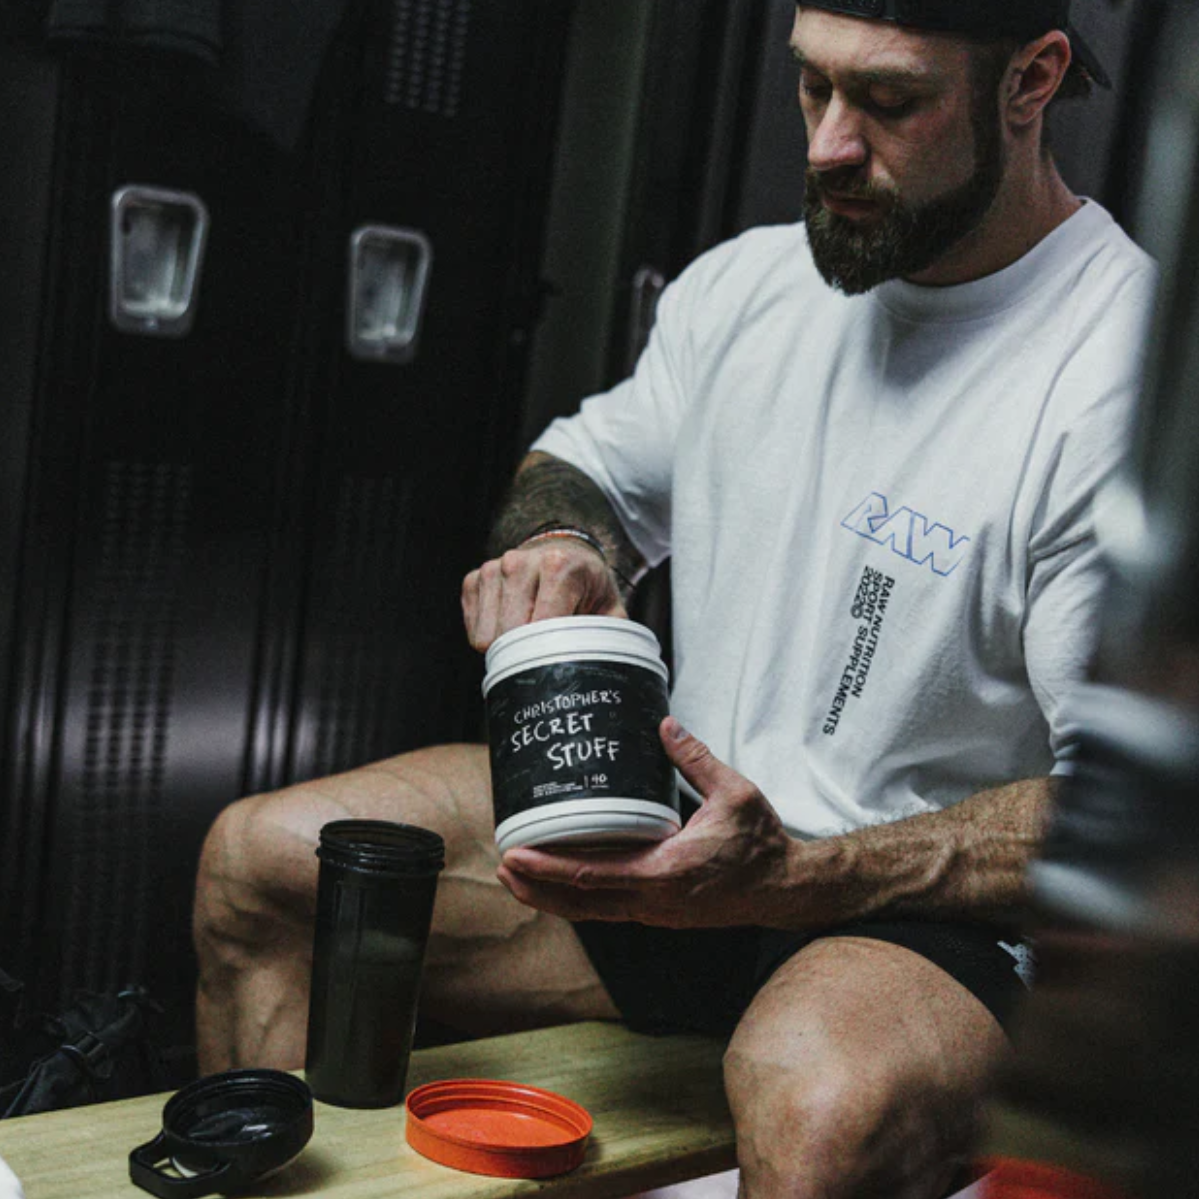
(557, 576)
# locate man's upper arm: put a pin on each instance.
(1099, 394)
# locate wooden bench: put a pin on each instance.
(657, 1102)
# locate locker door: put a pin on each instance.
(446, 144)
(152, 484)
(236, 548)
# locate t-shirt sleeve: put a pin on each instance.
(1064, 610)
(1098, 391)
(624, 439)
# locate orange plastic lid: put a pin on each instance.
(506, 1129)
(1016, 1178)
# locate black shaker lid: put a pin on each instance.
(382, 846)
(223, 1132)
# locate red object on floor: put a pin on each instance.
(1014, 1178)
(506, 1129)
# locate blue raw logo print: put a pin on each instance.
(908, 534)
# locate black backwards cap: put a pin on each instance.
(1023, 19)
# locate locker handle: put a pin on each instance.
(156, 252)
(388, 281)
(648, 286)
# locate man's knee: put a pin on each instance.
(258, 868)
(858, 1071)
(822, 1126)
(790, 1123)
(256, 875)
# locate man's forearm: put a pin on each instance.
(968, 861)
(547, 490)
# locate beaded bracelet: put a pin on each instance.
(546, 531)
(568, 531)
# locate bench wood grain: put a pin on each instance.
(657, 1102)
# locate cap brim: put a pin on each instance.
(1086, 58)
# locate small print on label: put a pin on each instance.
(542, 790)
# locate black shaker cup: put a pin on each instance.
(377, 884)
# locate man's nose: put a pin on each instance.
(835, 139)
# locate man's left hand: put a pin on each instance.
(728, 866)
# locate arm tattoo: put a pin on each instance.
(547, 490)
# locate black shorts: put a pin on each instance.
(702, 980)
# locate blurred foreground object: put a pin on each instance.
(10, 1186)
(1106, 1076)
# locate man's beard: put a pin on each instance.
(902, 239)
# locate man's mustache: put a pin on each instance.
(847, 183)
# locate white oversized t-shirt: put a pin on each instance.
(878, 510)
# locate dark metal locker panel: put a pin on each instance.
(705, 163)
(152, 484)
(1089, 136)
(24, 205)
(448, 140)
(28, 92)
(771, 179)
(236, 552)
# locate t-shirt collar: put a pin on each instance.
(993, 293)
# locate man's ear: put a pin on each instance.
(1036, 73)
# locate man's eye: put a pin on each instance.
(813, 89)
(889, 105)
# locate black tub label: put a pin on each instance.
(578, 730)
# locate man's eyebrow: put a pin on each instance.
(871, 76)
(798, 55)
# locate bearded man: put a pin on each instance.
(869, 444)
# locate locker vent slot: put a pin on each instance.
(363, 623)
(134, 610)
(427, 53)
